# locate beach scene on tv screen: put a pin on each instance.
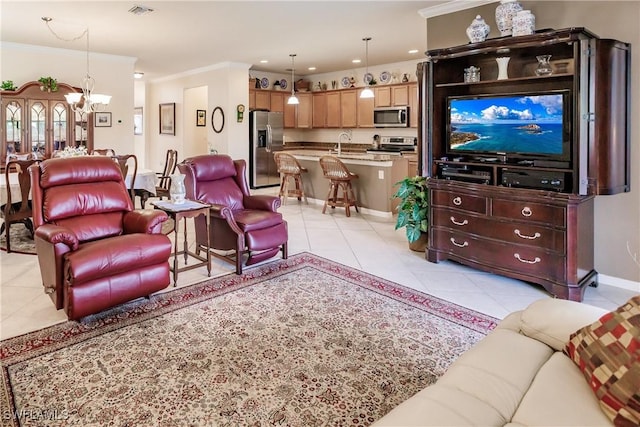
(530, 124)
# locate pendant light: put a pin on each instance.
(293, 99)
(87, 101)
(366, 92)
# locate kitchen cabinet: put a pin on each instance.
(365, 111)
(263, 100)
(392, 95)
(413, 105)
(36, 121)
(341, 108)
(290, 116)
(334, 110)
(276, 101)
(304, 117)
(319, 110)
(348, 108)
(301, 115)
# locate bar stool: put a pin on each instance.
(339, 179)
(289, 169)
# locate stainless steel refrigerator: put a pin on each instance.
(265, 138)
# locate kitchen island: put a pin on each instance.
(377, 175)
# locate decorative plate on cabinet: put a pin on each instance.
(346, 82)
(283, 84)
(385, 77)
(367, 78)
(264, 83)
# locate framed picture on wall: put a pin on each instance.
(102, 120)
(168, 118)
(137, 121)
(201, 117)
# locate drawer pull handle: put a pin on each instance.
(524, 236)
(526, 261)
(460, 245)
(461, 223)
(457, 201)
(526, 211)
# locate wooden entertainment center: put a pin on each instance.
(521, 216)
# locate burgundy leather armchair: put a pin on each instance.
(244, 224)
(95, 251)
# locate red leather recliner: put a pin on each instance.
(242, 223)
(94, 250)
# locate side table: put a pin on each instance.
(188, 209)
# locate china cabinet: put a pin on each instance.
(41, 122)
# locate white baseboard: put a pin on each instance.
(617, 282)
(367, 211)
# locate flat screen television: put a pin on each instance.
(533, 125)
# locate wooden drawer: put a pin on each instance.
(525, 211)
(509, 232)
(459, 201)
(502, 256)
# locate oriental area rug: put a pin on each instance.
(297, 342)
(21, 240)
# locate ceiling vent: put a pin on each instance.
(140, 10)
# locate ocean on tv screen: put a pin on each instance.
(512, 124)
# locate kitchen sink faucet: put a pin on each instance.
(348, 135)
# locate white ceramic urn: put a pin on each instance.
(478, 30)
(524, 23)
(505, 12)
(177, 190)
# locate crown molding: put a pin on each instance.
(452, 6)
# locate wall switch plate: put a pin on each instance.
(380, 174)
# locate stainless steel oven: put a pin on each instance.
(391, 117)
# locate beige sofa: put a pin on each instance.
(516, 376)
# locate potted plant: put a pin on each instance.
(413, 210)
(48, 84)
(7, 85)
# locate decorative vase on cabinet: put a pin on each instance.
(503, 63)
(478, 30)
(505, 12)
(544, 67)
(524, 23)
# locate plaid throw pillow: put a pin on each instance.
(608, 354)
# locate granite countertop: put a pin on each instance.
(349, 156)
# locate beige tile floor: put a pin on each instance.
(366, 242)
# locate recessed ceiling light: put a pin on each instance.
(412, 51)
(263, 61)
(138, 75)
(311, 68)
(356, 61)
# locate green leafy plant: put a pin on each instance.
(413, 207)
(7, 85)
(48, 83)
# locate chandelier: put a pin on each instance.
(87, 101)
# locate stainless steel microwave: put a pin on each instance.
(391, 117)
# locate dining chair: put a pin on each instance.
(103, 152)
(128, 166)
(163, 179)
(19, 211)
